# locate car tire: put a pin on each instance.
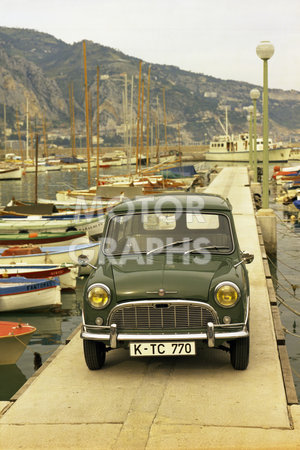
(94, 354)
(239, 353)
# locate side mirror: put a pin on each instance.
(247, 257)
(83, 261)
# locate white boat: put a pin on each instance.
(66, 273)
(295, 154)
(92, 226)
(52, 255)
(11, 173)
(20, 293)
(14, 338)
(227, 148)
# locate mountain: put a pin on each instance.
(39, 67)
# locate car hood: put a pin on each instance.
(179, 279)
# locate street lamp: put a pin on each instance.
(265, 51)
(250, 111)
(254, 94)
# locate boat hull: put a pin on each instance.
(56, 255)
(11, 174)
(13, 341)
(67, 274)
(38, 299)
(275, 155)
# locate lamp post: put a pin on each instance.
(250, 118)
(254, 94)
(265, 51)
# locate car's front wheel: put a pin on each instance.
(94, 354)
(239, 353)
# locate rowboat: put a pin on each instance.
(67, 273)
(92, 227)
(20, 293)
(50, 255)
(14, 338)
(42, 238)
(10, 173)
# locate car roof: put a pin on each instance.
(171, 202)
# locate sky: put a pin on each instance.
(213, 37)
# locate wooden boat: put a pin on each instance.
(50, 255)
(11, 173)
(285, 171)
(67, 273)
(42, 238)
(92, 227)
(21, 209)
(14, 338)
(20, 293)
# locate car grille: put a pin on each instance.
(162, 316)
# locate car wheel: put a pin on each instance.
(94, 354)
(239, 353)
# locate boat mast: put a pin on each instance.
(165, 120)
(4, 123)
(98, 125)
(19, 136)
(148, 113)
(27, 130)
(142, 127)
(86, 114)
(138, 120)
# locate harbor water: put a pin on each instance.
(54, 328)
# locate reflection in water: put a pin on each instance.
(11, 379)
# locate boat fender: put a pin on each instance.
(33, 235)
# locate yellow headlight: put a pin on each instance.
(227, 294)
(99, 296)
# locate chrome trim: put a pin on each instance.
(168, 301)
(105, 288)
(113, 335)
(227, 283)
(102, 337)
(210, 334)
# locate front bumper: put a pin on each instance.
(110, 336)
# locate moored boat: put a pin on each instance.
(50, 255)
(20, 293)
(228, 148)
(67, 273)
(14, 338)
(42, 238)
(11, 173)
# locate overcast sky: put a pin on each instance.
(214, 37)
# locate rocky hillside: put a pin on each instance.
(41, 68)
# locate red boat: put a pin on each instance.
(14, 338)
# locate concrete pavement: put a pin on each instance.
(168, 403)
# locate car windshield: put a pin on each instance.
(152, 233)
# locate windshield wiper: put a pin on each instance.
(208, 247)
(171, 244)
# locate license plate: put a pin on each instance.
(162, 348)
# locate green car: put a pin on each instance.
(171, 279)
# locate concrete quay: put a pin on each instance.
(165, 403)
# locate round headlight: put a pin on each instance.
(98, 296)
(227, 294)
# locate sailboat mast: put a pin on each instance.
(87, 115)
(165, 120)
(148, 113)
(138, 120)
(27, 130)
(98, 124)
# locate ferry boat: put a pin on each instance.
(236, 149)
